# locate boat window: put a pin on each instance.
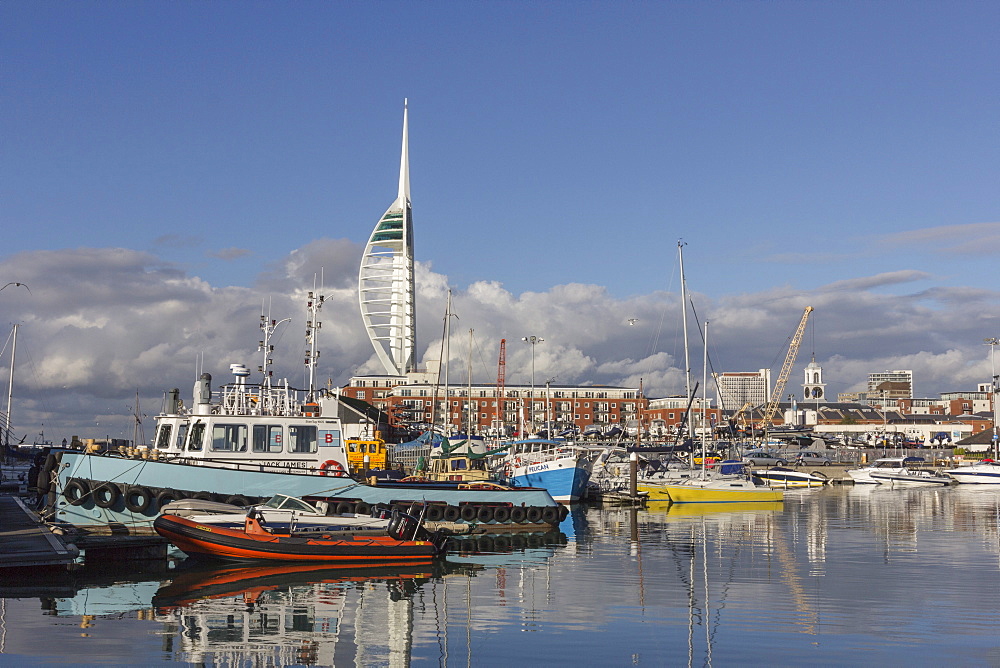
(163, 438)
(302, 438)
(352, 447)
(458, 465)
(181, 433)
(229, 437)
(267, 438)
(197, 435)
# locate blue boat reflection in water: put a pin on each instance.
(835, 576)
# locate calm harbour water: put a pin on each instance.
(838, 576)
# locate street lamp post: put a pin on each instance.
(992, 343)
(533, 340)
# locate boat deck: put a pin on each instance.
(26, 542)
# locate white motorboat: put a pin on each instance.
(281, 511)
(910, 478)
(863, 475)
(986, 472)
(779, 476)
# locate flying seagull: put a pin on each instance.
(17, 285)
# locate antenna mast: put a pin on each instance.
(314, 302)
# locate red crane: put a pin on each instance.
(501, 381)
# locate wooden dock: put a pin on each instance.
(25, 541)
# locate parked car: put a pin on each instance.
(809, 457)
(764, 458)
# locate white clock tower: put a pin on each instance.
(813, 388)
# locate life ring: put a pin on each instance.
(451, 514)
(331, 465)
(238, 500)
(137, 498)
(550, 515)
(501, 514)
(76, 490)
(106, 495)
(518, 514)
(468, 513)
(362, 508)
(484, 514)
(533, 515)
(434, 513)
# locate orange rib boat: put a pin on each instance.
(255, 542)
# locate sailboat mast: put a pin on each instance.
(704, 400)
(684, 325)
(10, 386)
(442, 365)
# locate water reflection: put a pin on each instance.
(836, 576)
(289, 614)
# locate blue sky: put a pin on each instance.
(798, 148)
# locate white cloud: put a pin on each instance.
(100, 324)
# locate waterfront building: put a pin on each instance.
(738, 388)
(662, 416)
(890, 384)
(417, 400)
(385, 280)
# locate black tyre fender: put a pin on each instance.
(106, 494)
(518, 514)
(203, 496)
(451, 514)
(468, 513)
(501, 514)
(484, 514)
(238, 500)
(533, 514)
(362, 508)
(563, 512)
(137, 498)
(166, 496)
(44, 479)
(434, 513)
(345, 507)
(550, 515)
(76, 491)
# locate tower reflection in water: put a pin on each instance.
(309, 614)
